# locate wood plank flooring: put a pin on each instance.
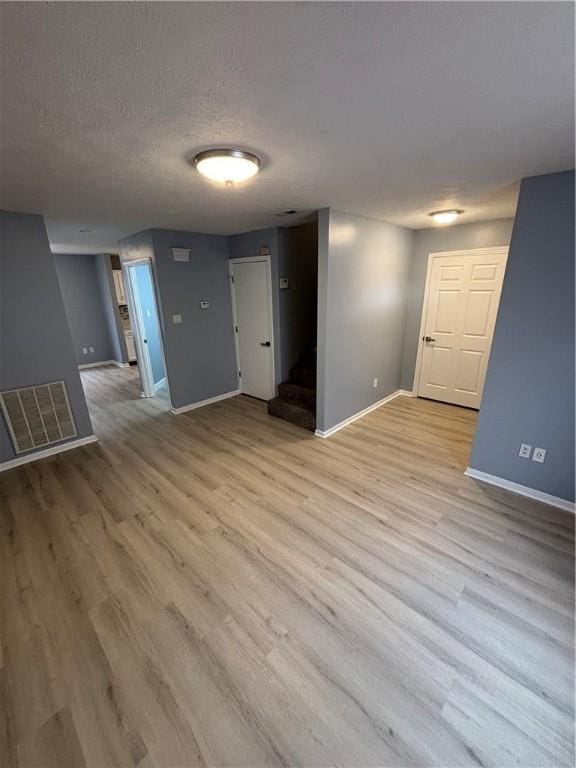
(221, 588)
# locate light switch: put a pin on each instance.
(283, 283)
(91, 349)
(176, 319)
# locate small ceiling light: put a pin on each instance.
(227, 166)
(84, 231)
(445, 217)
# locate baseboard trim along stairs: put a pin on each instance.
(364, 412)
(52, 451)
(202, 403)
(521, 490)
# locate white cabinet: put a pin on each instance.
(119, 286)
(130, 346)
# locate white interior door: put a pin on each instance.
(253, 321)
(463, 293)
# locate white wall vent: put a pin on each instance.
(181, 254)
(38, 416)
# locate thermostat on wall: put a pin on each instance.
(204, 305)
(180, 254)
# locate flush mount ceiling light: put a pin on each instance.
(84, 231)
(227, 166)
(445, 217)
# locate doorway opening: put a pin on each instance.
(148, 345)
(461, 301)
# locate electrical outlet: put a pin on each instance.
(539, 455)
(525, 451)
(375, 383)
(92, 350)
(84, 350)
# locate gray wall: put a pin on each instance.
(35, 342)
(483, 234)
(298, 261)
(249, 244)
(199, 352)
(363, 268)
(529, 390)
(151, 322)
(113, 322)
(78, 276)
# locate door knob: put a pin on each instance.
(264, 343)
(428, 338)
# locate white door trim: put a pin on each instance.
(135, 309)
(498, 250)
(244, 260)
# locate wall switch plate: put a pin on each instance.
(148, 313)
(375, 383)
(84, 350)
(525, 451)
(176, 319)
(204, 305)
(283, 283)
(92, 350)
(539, 455)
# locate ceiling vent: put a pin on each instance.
(281, 214)
(38, 416)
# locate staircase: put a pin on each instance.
(296, 401)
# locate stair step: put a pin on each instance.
(306, 377)
(295, 414)
(296, 393)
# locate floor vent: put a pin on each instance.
(38, 416)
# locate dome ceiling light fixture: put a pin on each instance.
(445, 217)
(227, 166)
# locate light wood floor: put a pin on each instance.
(221, 588)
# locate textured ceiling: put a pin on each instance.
(390, 110)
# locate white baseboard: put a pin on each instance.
(202, 403)
(96, 365)
(521, 490)
(102, 363)
(52, 451)
(342, 424)
(159, 384)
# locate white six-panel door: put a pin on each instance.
(461, 303)
(252, 304)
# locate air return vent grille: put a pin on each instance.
(38, 416)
